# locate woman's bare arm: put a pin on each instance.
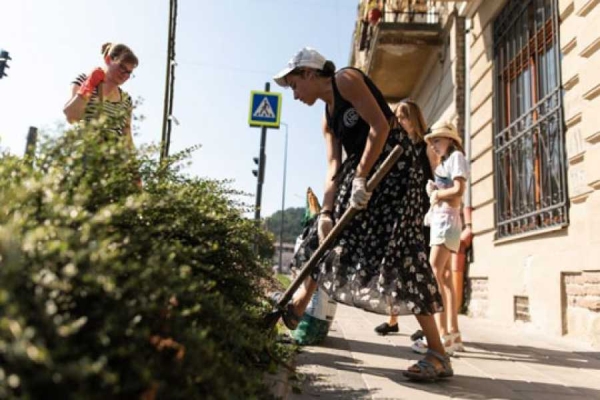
(334, 161)
(353, 88)
(75, 107)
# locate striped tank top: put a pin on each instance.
(116, 111)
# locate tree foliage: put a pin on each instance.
(292, 224)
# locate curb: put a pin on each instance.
(278, 383)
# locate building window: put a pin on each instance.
(529, 156)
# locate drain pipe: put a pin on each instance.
(466, 236)
(467, 233)
(468, 26)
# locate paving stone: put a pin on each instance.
(500, 363)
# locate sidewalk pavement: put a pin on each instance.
(499, 363)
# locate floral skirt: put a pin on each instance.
(379, 261)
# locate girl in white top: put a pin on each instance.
(446, 225)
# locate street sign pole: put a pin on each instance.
(280, 267)
(265, 112)
(262, 157)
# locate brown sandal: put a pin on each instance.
(427, 370)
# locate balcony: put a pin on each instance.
(394, 50)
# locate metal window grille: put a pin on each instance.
(529, 156)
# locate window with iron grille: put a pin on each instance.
(529, 156)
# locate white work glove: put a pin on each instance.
(433, 198)
(430, 187)
(324, 226)
(359, 197)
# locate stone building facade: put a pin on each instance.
(520, 80)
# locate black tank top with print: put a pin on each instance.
(344, 121)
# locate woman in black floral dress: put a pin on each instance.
(379, 259)
(411, 119)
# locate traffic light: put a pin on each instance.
(255, 171)
(4, 58)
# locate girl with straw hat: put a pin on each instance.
(446, 197)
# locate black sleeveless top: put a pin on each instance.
(344, 121)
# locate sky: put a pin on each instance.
(224, 50)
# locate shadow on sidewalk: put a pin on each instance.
(326, 386)
(533, 355)
(313, 387)
(387, 350)
(482, 351)
(460, 386)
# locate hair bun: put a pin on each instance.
(329, 67)
(106, 48)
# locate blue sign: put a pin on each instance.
(265, 109)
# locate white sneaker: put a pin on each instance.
(419, 346)
(448, 344)
(457, 346)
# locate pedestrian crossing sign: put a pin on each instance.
(265, 109)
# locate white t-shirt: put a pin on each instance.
(451, 168)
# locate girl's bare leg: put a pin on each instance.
(439, 260)
(450, 322)
(453, 316)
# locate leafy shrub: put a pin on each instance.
(112, 292)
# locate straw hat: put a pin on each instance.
(444, 129)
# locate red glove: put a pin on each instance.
(93, 80)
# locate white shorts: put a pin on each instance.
(446, 227)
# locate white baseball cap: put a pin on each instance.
(306, 57)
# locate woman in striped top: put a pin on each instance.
(89, 99)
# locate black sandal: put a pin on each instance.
(289, 317)
(427, 370)
(386, 328)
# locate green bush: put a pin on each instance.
(112, 292)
